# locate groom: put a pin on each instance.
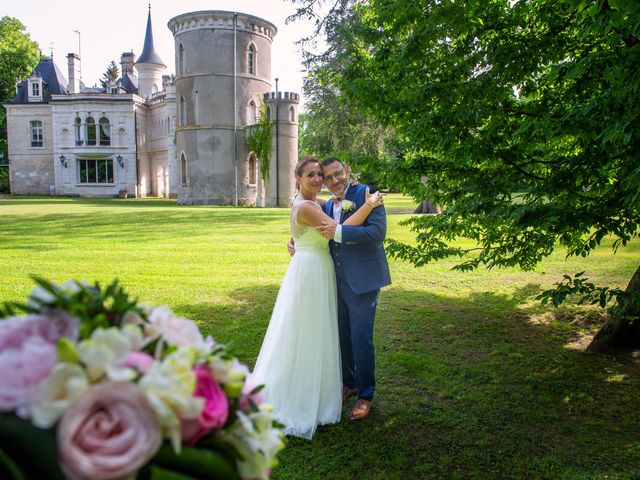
(361, 270)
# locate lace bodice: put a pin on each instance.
(303, 235)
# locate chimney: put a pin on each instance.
(127, 60)
(73, 61)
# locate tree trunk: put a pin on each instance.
(427, 207)
(623, 328)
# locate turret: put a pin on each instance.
(283, 111)
(150, 66)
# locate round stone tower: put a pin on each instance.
(223, 70)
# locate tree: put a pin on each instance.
(496, 96)
(111, 75)
(18, 57)
(331, 127)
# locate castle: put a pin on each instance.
(151, 134)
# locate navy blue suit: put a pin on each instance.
(361, 270)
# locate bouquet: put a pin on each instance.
(94, 386)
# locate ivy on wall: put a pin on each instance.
(259, 141)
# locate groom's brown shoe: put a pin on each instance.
(347, 393)
(360, 409)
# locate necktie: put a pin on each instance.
(337, 199)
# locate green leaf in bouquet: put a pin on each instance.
(197, 463)
(9, 469)
(22, 443)
(158, 473)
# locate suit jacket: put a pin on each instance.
(360, 259)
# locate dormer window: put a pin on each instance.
(35, 89)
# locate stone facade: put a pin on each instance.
(148, 135)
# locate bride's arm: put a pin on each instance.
(372, 201)
(311, 214)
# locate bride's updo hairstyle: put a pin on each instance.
(300, 166)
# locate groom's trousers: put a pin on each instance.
(356, 314)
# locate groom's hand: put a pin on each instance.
(327, 229)
(291, 246)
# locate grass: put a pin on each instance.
(475, 379)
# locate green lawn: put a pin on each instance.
(475, 379)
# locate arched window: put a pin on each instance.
(183, 111)
(105, 131)
(90, 125)
(292, 115)
(252, 170)
(252, 113)
(251, 59)
(181, 59)
(77, 130)
(183, 170)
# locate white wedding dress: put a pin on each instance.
(299, 362)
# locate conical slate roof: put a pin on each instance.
(149, 54)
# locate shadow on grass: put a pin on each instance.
(469, 388)
(144, 226)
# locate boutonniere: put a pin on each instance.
(347, 205)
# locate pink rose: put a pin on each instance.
(109, 432)
(139, 360)
(216, 407)
(28, 354)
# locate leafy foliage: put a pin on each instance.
(94, 306)
(259, 141)
(18, 57)
(494, 97)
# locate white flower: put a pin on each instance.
(105, 353)
(181, 332)
(55, 393)
(347, 205)
(257, 442)
(168, 386)
(230, 373)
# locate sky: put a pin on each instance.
(107, 29)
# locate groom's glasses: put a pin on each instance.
(339, 174)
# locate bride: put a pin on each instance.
(299, 362)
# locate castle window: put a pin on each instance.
(267, 112)
(183, 111)
(95, 171)
(105, 131)
(91, 131)
(183, 170)
(252, 170)
(36, 133)
(77, 129)
(251, 59)
(252, 113)
(181, 59)
(292, 115)
(35, 89)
